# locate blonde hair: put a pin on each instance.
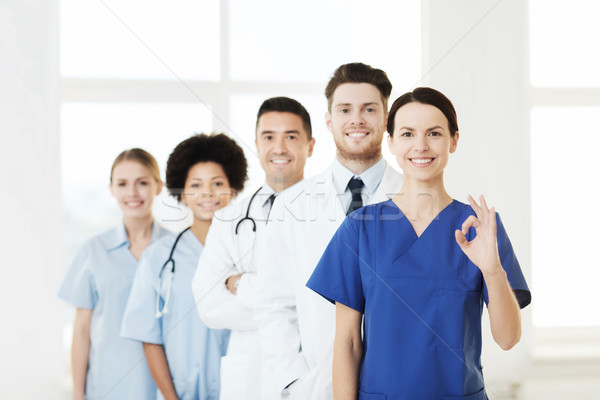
(141, 156)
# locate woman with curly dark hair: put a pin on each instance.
(204, 172)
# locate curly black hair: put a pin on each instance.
(218, 148)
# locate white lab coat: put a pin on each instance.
(297, 326)
(226, 254)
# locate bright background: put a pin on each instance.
(84, 79)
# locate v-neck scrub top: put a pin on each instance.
(100, 279)
(422, 300)
(193, 350)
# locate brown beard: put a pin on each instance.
(370, 154)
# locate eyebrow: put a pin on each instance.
(286, 131)
(137, 179)
(433, 128)
(212, 179)
(371, 103)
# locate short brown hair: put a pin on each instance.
(359, 73)
(141, 156)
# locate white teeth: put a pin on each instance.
(422, 160)
(134, 203)
(279, 161)
(357, 134)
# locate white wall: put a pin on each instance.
(31, 238)
(475, 51)
(480, 63)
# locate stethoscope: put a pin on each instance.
(248, 217)
(159, 312)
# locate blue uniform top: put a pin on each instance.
(421, 297)
(100, 278)
(193, 351)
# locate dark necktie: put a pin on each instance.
(355, 185)
(270, 200)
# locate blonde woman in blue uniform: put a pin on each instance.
(419, 268)
(105, 366)
(184, 355)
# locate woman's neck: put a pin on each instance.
(200, 229)
(138, 228)
(422, 201)
(139, 232)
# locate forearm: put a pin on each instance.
(216, 304)
(347, 352)
(503, 309)
(159, 368)
(80, 351)
(347, 355)
(219, 309)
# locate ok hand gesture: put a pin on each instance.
(483, 250)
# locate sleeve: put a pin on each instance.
(139, 321)
(509, 262)
(79, 285)
(275, 309)
(337, 275)
(246, 291)
(218, 307)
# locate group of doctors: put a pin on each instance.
(222, 310)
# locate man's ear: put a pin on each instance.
(328, 121)
(311, 146)
(390, 142)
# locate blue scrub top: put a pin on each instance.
(193, 351)
(100, 279)
(421, 297)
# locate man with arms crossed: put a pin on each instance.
(224, 283)
(296, 325)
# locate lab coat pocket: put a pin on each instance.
(481, 395)
(234, 377)
(371, 396)
(458, 319)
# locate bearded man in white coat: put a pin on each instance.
(296, 325)
(224, 282)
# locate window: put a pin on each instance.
(151, 79)
(564, 136)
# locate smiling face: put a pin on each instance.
(134, 188)
(206, 190)
(422, 142)
(357, 121)
(283, 147)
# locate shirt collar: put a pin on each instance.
(371, 177)
(120, 237)
(265, 192)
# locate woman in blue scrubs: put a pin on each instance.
(204, 173)
(105, 366)
(419, 267)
